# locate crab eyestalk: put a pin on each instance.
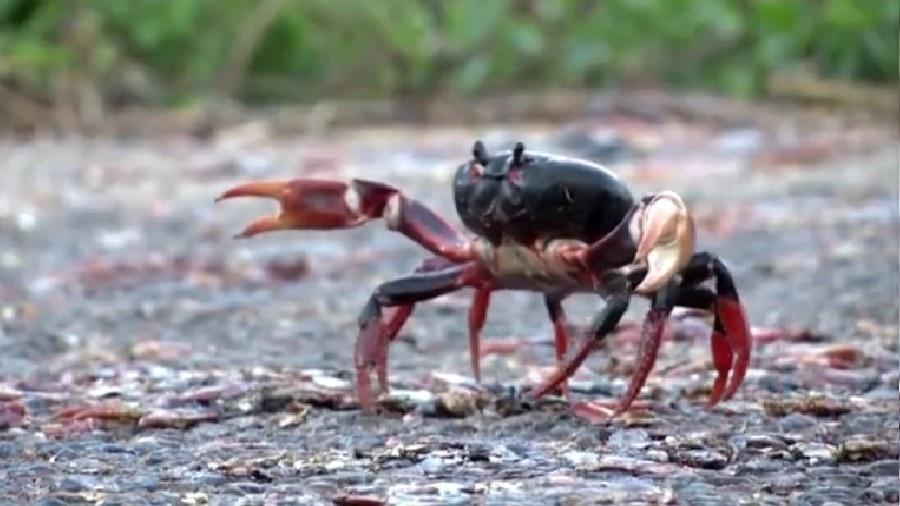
(480, 154)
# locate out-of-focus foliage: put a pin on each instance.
(159, 50)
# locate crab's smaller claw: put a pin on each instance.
(666, 243)
(312, 204)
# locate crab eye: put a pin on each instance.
(476, 170)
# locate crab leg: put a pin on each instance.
(401, 314)
(311, 204)
(394, 323)
(665, 241)
(665, 247)
(602, 325)
(404, 291)
(477, 316)
(560, 336)
(651, 338)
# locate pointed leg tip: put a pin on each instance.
(738, 373)
(731, 391)
(476, 365)
(623, 407)
(538, 392)
(384, 386)
(547, 386)
(716, 395)
(713, 401)
(364, 391)
(593, 414)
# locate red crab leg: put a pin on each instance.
(396, 321)
(602, 325)
(311, 204)
(560, 336)
(651, 337)
(477, 316)
(565, 370)
(401, 314)
(730, 343)
(392, 328)
(404, 291)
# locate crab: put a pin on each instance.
(542, 223)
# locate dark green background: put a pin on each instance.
(166, 51)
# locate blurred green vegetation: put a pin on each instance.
(165, 51)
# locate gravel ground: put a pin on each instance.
(146, 358)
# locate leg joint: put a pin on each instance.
(393, 210)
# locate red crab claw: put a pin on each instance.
(737, 332)
(731, 341)
(313, 204)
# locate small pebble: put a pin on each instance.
(582, 460)
(704, 459)
(146, 482)
(78, 483)
(246, 488)
(431, 465)
(50, 501)
(203, 478)
(815, 452)
(885, 468)
(628, 438)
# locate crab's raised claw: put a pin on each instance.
(312, 204)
